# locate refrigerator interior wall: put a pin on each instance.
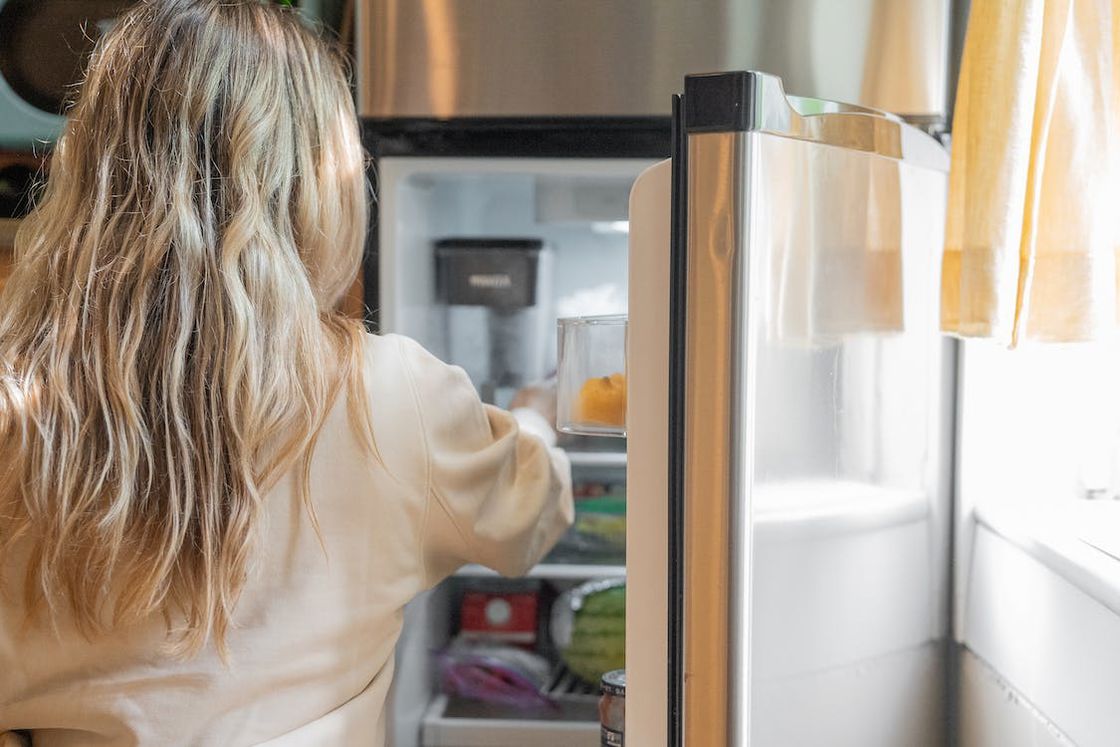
(579, 208)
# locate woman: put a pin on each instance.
(218, 494)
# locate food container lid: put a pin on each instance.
(455, 243)
(592, 321)
(614, 683)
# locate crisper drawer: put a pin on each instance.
(451, 722)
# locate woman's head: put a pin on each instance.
(169, 336)
(226, 122)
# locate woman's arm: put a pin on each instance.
(497, 494)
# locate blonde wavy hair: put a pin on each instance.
(170, 339)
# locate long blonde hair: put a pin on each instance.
(170, 342)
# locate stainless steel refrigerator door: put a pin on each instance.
(815, 526)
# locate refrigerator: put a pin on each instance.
(784, 474)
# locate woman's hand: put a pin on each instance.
(540, 402)
(538, 397)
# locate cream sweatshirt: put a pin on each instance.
(315, 629)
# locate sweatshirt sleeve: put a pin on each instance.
(497, 494)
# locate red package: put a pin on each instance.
(509, 617)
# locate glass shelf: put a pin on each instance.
(598, 459)
(558, 571)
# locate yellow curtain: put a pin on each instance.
(1034, 212)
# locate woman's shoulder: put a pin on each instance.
(401, 368)
(388, 343)
(402, 358)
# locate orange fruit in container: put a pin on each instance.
(602, 400)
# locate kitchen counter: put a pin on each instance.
(1079, 541)
(1042, 615)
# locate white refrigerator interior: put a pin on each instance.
(576, 211)
(577, 206)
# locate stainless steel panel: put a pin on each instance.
(511, 58)
(815, 509)
(828, 122)
(717, 471)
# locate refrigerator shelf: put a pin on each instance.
(558, 571)
(455, 722)
(599, 459)
(451, 722)
(566, 685)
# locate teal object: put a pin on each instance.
(22, 126)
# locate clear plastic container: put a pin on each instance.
(591, 386)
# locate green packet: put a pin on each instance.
(612, 505)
